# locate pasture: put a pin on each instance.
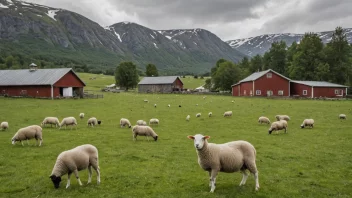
(304, 162)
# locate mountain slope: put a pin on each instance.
(260, 44)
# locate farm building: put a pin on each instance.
(162, 84)
(264, 83)
(316, 89)
(42, 83)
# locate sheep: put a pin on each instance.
(27, 133)
(146, 100)
(92, 121)
(198, 115)
(155, 105)
(278, 125)
(81, 115)
(179, 106)
(307, 122)
(263, 119)
(99, 122)
(69, 121)
(228, 114)
(141, 123)
(168, 105)
(143, 131)
(51, 121)
(188, 117)
(210, 114)
(124, 122)
(153, 121)
(282, 117)
(4, 125)
(342, 116)
(228, 157)
(74, 160)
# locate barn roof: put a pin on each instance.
(257, 75)
(318, 83)
(37, 77)
(159, 80)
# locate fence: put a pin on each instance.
(91, 94)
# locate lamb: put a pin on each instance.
(51, 121)
(263, 119)
(92, 121)
(4, 125)
(68, 121)
(81, 115)
(342, 116)
(153, 121)
(210, 114)
(228, 157)
(141, 123)
(307, 122)
(188, 117)
(228, 114)
(74, 160)
(124, 122)
(27, 133)
(143, 131)
(282, 117)
(198, 115)
(278, 125)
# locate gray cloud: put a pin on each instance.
(228, 19)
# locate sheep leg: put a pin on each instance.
(209, 178)
(22, 143)
(40, 143)
(244, 177)
(214, 173)
(89, 174)
(77, 176)
(256, 181)
(68, 180)
(97, 169)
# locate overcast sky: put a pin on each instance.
(228, 19)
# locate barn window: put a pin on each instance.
(245, 92)
(258, 92)
(305, 92)
(280, 92)
(269, 75)
(338, 92)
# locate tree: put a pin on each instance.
(278, 60)
(126, 75)
(256, 64)
(9, 61)
(208, 83)
(217, 65)
(151, 70)
(226, 75)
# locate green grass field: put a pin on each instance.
(302, 163)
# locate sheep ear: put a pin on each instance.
(206, 137)
(191, 137)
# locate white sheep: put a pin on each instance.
(4, 125)
(278, 125)
(198, 115)
(153, 121)
(210, 114)
(74, 160)
(188, 117)
(143, 131)
(92, 121)
(155, 105)
(229, 157)
(69, 121)
(81, 115)
(282, 117)
(168, 105)
(342, 116)
(228, 114)
(263, 119)
(124, 122)
(27, 133)
(141, 123)
(307, 122)
(146, 100)
(51, 121)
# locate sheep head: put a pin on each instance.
(56, 181)
(199, 140)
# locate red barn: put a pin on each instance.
(312, 89)
(264, 83)
(43, 83)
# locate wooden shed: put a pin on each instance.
(316, 89)
(162, 84)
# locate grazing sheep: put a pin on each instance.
(124, 122)
(210, 114)
(155, 105)
(27, 133)
(81, 115)
(168, 105)
(68, 121)
(4, 125)
(342, 116)
(141, 123)
(278, 125)
(188, 117)
(51, 121)
(146, 101)
(196, 104)
(263, 119)
(198, 115)
(228, 157)
(143, 131)
(228, 114)
(307, 122)
(92, 121)
(74, 160)
(282, 117)
(153, 121)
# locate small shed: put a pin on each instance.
(161, 84)
(316, 89)
(201, 89)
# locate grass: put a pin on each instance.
(304, 162)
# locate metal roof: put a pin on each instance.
(318, 83)
(37, 77)
(159, 80)
(257, 75)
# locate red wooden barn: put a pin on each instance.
(264, 83)
(44, 83)
(313, 89)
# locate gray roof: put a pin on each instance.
(38, 77)
(257, 75)
(318, 83)
(158, 80)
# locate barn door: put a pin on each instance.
(269, 93)
(67, 92)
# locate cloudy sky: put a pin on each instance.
(228, 19)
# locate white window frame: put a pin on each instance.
(282, 92)
(245, 92)
(269, 75)
(338, 92)
(305, 92)
(258, 92)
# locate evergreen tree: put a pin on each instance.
(126, 75)
(226, 75)
(266, 61)
(278, 61)
(9, 61)
(151, 70)
(256, 64)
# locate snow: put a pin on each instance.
(21, 14)
(39, 15)
(169, 37)
(195, 43)
(52, 13)
(9, 2)
(118, 35)
(155, 46)
(152, 36)
(3, 6)
(240, 42)
(125, 22)
(107, 28)
(26, 4)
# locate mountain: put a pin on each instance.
(260, 44)
(63, 37)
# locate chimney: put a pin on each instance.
(33, 67)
